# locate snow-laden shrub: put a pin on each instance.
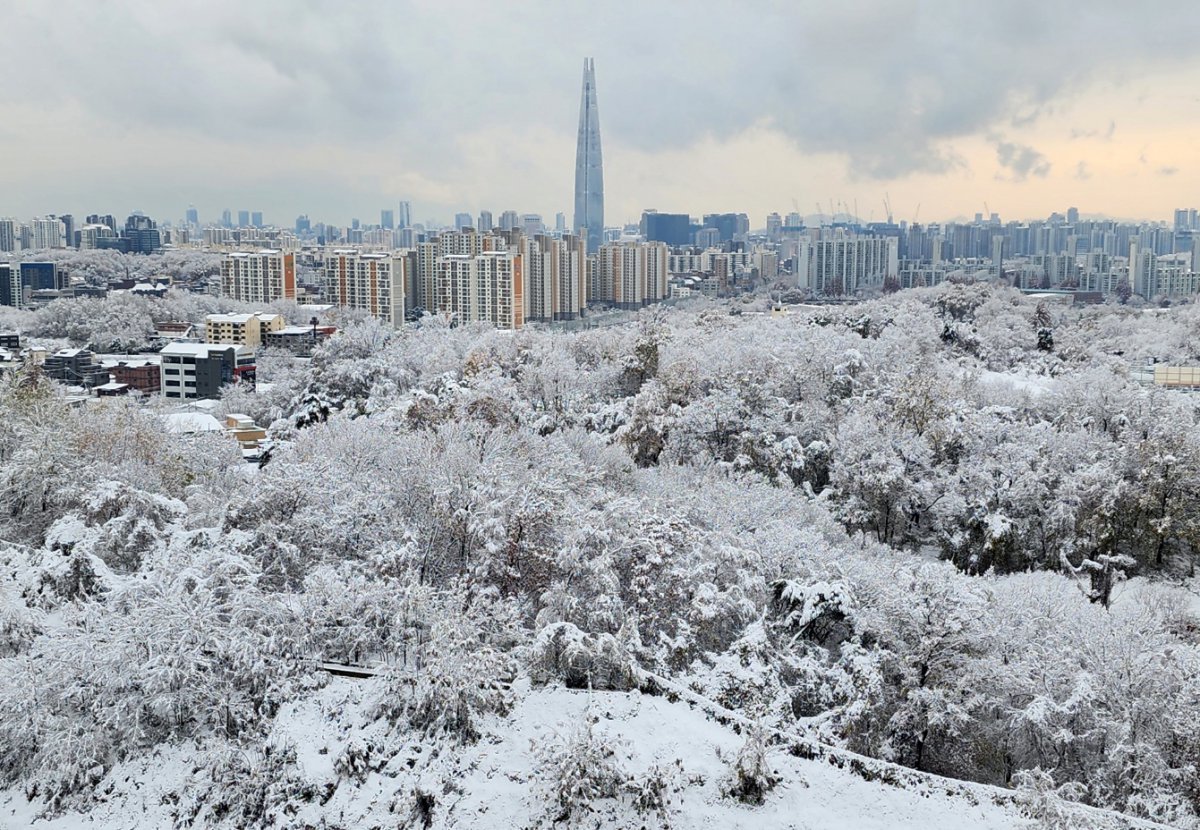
(750, 775)
(1045, 802)
(249, 788)
(581, 660)
(463, 672)
(822, 613)
(19, 626)
(578, 772)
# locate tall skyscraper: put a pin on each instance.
(226, 218)
(256, 219)
(405, 215)
(485, 221)
(193, 215)
(243, 218)
(589, 165)
(387, 220)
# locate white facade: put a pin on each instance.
(841, 264)
(46, 233)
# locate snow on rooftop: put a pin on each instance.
(183, 423)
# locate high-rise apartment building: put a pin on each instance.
(631, 274)
(462, 220)
(589, 165)
(256, 219)
(509, 220)
(485, 222)
(488, 288)
(839, 264)
(370, 282)
(47, 232)
(226, 218)
(259, 276)
(555, 277)
(8, 235)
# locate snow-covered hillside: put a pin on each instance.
(507, 779)
(936, 551)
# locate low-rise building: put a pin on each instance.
(77, 367)
(201, 370)
(143, 375)
(240, 329)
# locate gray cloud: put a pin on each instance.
(1168, 171)
(888, 85)
(1020, 161)
(1082, 171)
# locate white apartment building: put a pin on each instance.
(259, 276)
(372, 282)
(46, 233)
(488, 288)
(841, 264)
(8, 235)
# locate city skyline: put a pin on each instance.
(1018, 110)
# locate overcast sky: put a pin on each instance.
(338, 109)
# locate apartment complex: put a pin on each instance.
(630, 275)
(555, 277)
(371, 282)
(488, 287)
(259, 276)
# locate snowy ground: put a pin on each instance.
(496, 783)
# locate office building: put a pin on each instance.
(462, 220)
(141, 235)
(589, 165)
(226, 218)
(243, 219)
(10, 285)
(192, 217)
(202, 370)
(90, 236)
(675, 229)
(370, 282)
(485, 221)
(405, 216)
(256, 219)
(387, 219)
(259, 276)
